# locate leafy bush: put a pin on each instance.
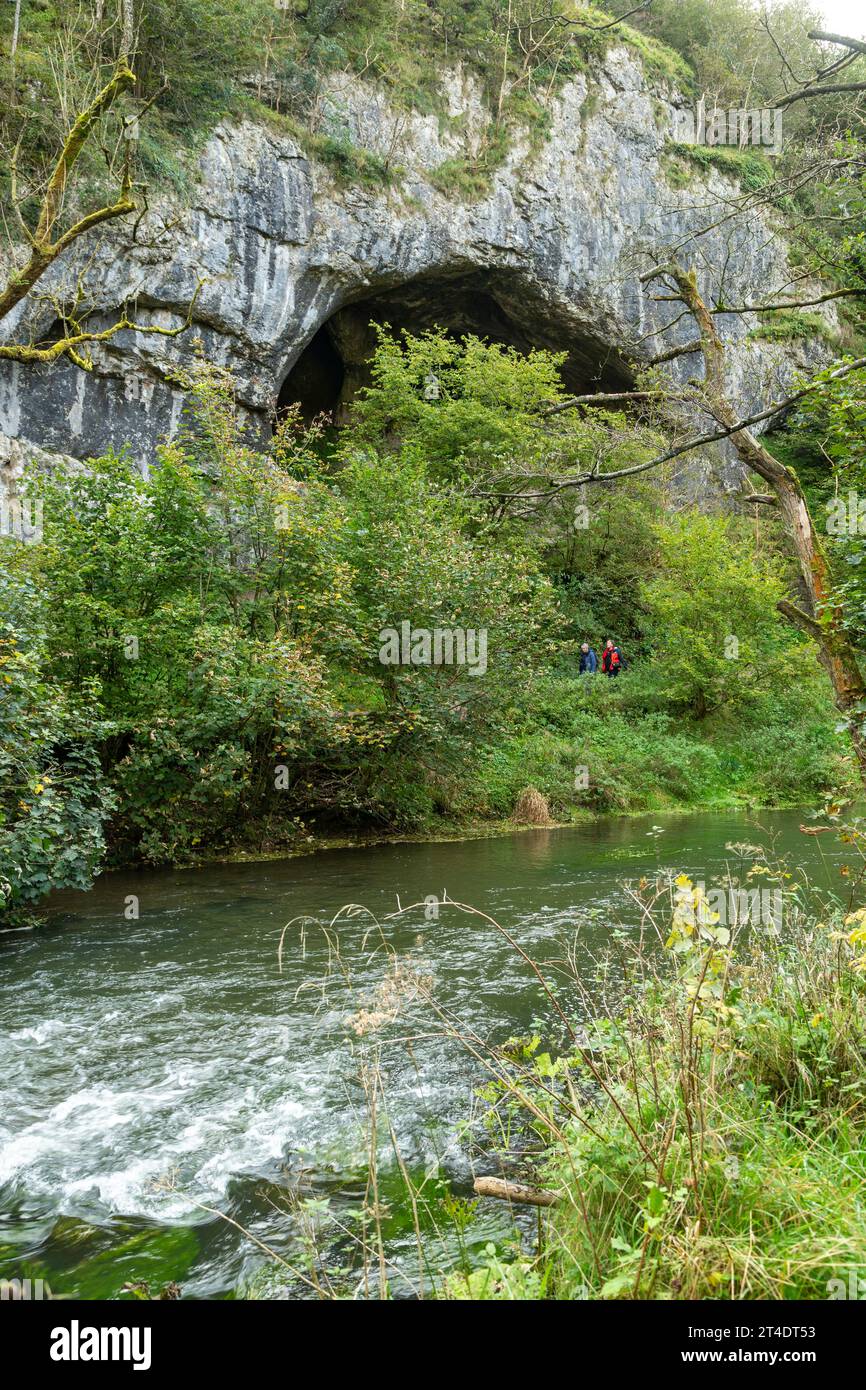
(54, 800)
(712, 611)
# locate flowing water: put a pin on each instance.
(159, 1074)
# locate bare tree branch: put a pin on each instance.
(71, 342)
(830, 89)
(789, 303)
(817, 87)
(697, 441)
(602, 398)
(43, 249)
(684, 350)
(821, 36)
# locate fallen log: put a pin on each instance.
(514, 1192)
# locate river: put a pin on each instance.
(160, 1074)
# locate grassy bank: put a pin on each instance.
(641, 753)
(706, 1135)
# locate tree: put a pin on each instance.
(822, 620)
(16, 27)
(45, 238)
(711, 607)
(127, 29)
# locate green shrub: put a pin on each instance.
(718, 1148)
(54, 799)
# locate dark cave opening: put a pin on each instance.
(495, 306)
(316, 381)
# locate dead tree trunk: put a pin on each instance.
(823, 622)
(515, 1192)
(16, 27)
(127, 30)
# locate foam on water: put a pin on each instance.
(41, 1034)
(148, 1128)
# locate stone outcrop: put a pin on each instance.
(547, 255)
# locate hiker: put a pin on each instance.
(611, 659)
(588, 660)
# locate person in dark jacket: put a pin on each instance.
(588, 660)
(611, 659)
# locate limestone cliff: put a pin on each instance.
(546, 255)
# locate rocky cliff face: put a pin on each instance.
(547, 255)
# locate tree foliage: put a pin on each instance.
(711, 608)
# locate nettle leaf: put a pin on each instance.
(614, 1287)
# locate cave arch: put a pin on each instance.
(498, 306)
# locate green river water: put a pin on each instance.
(157, 1065)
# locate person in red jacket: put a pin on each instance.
(611, 659)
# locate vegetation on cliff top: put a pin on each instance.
(199, 61)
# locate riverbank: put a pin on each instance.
(451, 832)
(706, 1139)
(591, 750)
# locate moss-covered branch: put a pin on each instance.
(76, 338)
(45, 245)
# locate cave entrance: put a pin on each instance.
(317, 379)
(496, 306)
